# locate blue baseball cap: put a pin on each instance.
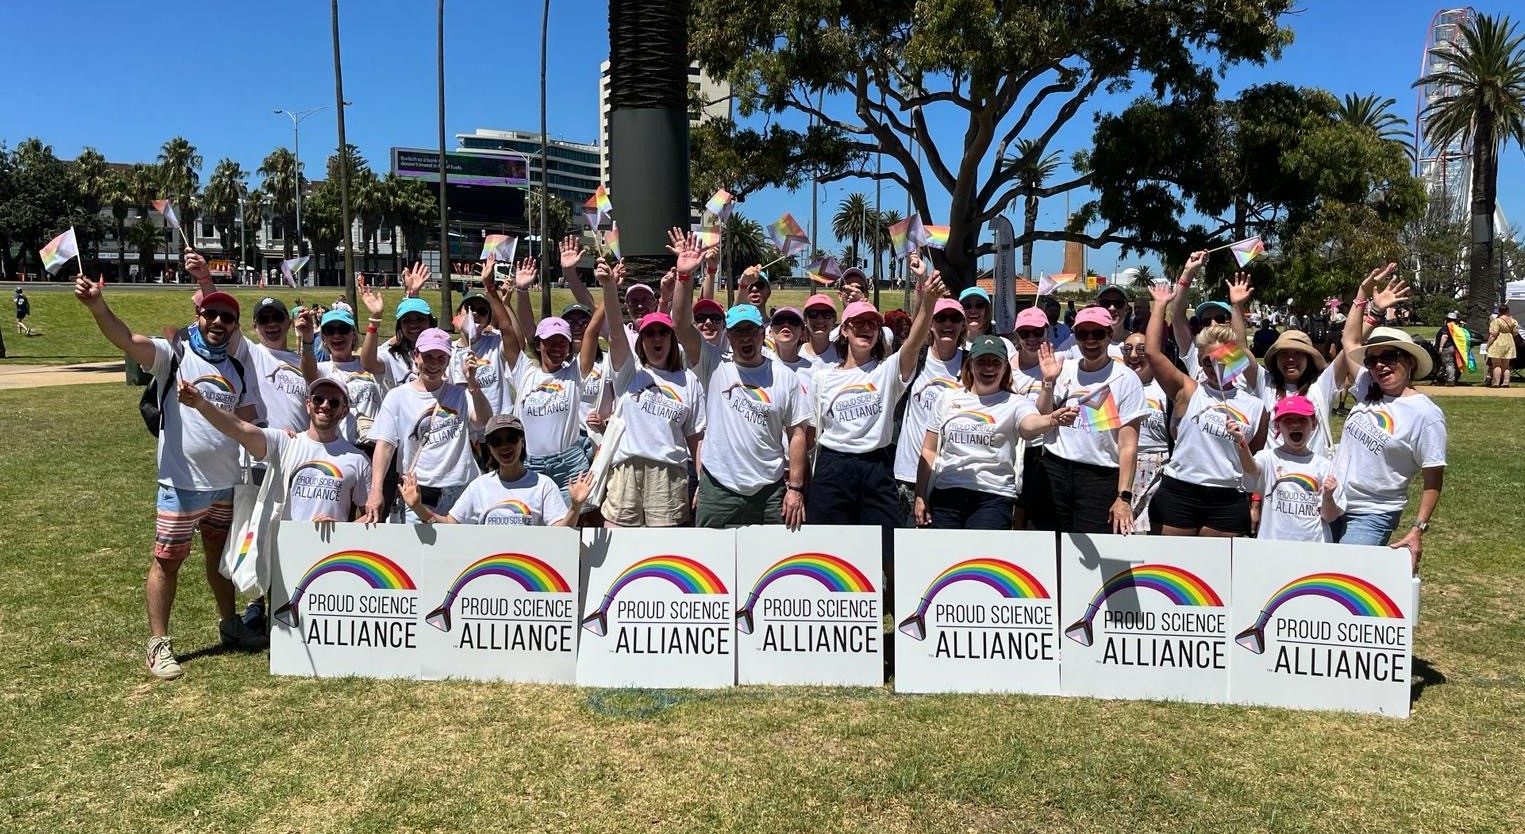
(1213, 305)
(742, 313)
(973, 292)
(413, 305)
(340, 316)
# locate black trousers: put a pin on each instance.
(1083, 494)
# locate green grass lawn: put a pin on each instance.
(88, 743)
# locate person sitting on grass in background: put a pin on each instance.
(508, 493)
(197, 465)
(1298, 493)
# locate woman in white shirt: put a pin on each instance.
(938, 372)
(509, 494)
(1035, 503)
(853, 412)
(365, 395)
(1293, 367)
(970, 469)
(1201, 491)
(1154, 432)
(1393, 433)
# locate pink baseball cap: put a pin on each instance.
(432, 339)
(708, 305)
(861, 308)
(1091, 315)
(638, 288)
(1296, 405)
(1034, 317)
(553, 326)
(948, 305)
(655, 318)
(820, 300)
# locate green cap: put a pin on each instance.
(988, 346)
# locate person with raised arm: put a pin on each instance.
(594, 399)
(280, 387)
(1155, 434)
(508, 493)
(394, 366)
(1209, 313)
(1394, 433)
(753, 462)
(1034, 372)
(337, 330)
(1301, 495)
(937, 371)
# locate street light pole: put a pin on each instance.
(296, 151)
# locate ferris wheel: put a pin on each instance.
(1445, 169)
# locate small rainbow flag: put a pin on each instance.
(166, 208)
(59, 250)
(501, 247)
(1098, 411)
(1048, 283)
(612, 240)
(291, 269)
(826, 271)
(1232, 361)
(720, 204)
(598, 208)
(1248, 250)
(708, 236)
(788, 236)
(905, 236)
(935, 237)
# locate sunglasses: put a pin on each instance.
(787, 321)
(1029, 333)
(1389, 358)
(1090, 335)
(863, 324)
(338, 330)
(948, 318)
(505, 438)
(1115, 304)
(226, 316)
(269, 319)
(975, 305)
(709, 318)
(1133, 349)
(1215, 318)
(324, 400)
(820, 314)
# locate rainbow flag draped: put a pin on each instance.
(788, 236)
(501, 247)
(1248, 250)
(935, 237)
(1461, 342)
(59, 250)
(1098, 411)
(612, 241)
(721, 204)
(166, 208)
(1232, 361)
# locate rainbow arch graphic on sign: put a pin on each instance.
(687, 575)
(1356, 595)
(834, 573)
(1180, 586)
(376, 570)
(532, 574)
(1009, 580)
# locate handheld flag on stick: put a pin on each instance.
(501, 247)
(1232, 362)
(612, 241)
(59, 250)
(707, 236)
(826, 271)
(1048, 283)
(1244, 250)
(721, 204)
(905, 236)
(166, 208)
(1098, 411)
(598, 208)
(291, 269)
(935, 237)
(788, 236)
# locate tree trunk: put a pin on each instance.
(648, 127)
(1029, 222)
(1482, 281)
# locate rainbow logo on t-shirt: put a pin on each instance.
(1384, 420)
(752, 391)
(1233, 413)
(858, 388)
(512, 505)
(322, 467)
(667, 391)
(1154, 404)
(217, 381)
(976, 416)
(549, 387)
(1298, 481)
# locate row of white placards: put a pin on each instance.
(1204, 620)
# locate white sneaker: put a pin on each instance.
(161, 659)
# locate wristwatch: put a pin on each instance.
(1125, 495)
(1422, 526)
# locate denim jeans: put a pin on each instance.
(1366, 528)
(447, 498)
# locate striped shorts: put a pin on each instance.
(182, 511)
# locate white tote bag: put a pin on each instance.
(246, 558)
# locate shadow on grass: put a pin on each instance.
(1425, 676)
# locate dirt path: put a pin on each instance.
(40, 376)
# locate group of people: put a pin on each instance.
(663, 408)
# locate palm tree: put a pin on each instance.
(255, 206)
(145, 236)
(853, 221)
(1033, 171)
(414, 211)
(1143, 277)
(368, 200)
(1484, 106)
(143, 184)
(280, 171)
(180, 167)
(119, 196)
(220, 200)
(92, 178)
(887, 218)
(1375, 114)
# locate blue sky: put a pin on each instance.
(213, 72)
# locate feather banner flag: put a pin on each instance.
(166, 208)
(501, 247)
(1232, 362)
(1048, 283)
(787, 234)
(1248, 250)
(59, 250)
(721, 204)
(291, 269)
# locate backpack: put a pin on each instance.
(151, 404)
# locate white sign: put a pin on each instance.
(1322, 626)
(809, 606)
(345, 601)
(977, 611)
(1145, 617)
(1004, 312)
(500, 608)
(658, 609)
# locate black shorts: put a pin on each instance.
(1190, 506)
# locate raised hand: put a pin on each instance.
(1395, 291)
(933, 288)
(1194, 263)
(580, 487)
(1163, 294)
(1235, 430)
(88, 292)
(490, 274)
(303, 323)
(748, 275)
(1375, 277)
(669, 281)
(469, 366)
(369, 296)
(571, 254)
(526, 273)
(196, 265)
(413, 279)
(685, 247)
(1239, 289)
(1050, 364)
(603, 273)
(917, 266)
(850, 293)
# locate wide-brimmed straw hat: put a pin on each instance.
(1394, 338)
(1295, 340)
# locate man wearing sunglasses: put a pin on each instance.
(197, 465)
(280, 387)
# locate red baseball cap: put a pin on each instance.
(219, 299)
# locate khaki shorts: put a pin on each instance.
(643, 493)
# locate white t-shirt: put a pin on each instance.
(828, 357)
(1191, 360)
(1025, 382)
(191, 453)
(1153, 434)
(1321, 394)
(282, 388)
(922, 399)
(1292, 498)
(365, 396)
(661, 410)
(1081, 443)
(1384, 445)
(1205, 452)
(547, 405)
(853, 409)
(398, 369)
(981, 445)
(532, 501)
(492, 375)
(432, 427)
(747, 411)
(323, 480)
